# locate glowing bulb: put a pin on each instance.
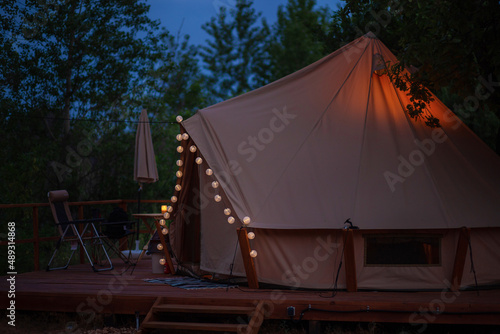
(230, 219)
(192, 148)
(246, 220)
(166, 215)
(178, 173)
(253, 253)
(163, 208)
(215, 184)
(199, 161)
(159, 247)
(179, 119)
(185, 136)
(162, 222)
(173, 199)
(227, 211)
(178, 187)
(164, 231)
(180, 149)
(170, 209)
(217, 198)
(179, 162)
(209, 172)
(251, 235)
(162, 262)
(178, 137)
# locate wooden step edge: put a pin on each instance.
(207, 309)
(216, 327)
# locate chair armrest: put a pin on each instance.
(82, 221)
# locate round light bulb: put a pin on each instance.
(159, 247)
(199, 161)
(192, 148)
(180, 149)
(227, 211)
(178, 173)
(170, 208)
(162, 222)
(215, 184)
(209, 172)
(179, 162)
(251, 235)
(185, 136)
(178, 137)
(217, 198)
(166, 215)
(173, 199)
(246, 220)
(230, 219)
(164, 231)
(178, 187)
(162, 262)
(179, 119)
(253, 253)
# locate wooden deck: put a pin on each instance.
(79, 289)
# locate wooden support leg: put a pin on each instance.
(460, 256)
(250, 271)
(350, 262)
(165, 248)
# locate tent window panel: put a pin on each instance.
(402, 250)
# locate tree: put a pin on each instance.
(299, 37)
(236, 53)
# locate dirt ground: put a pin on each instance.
(65, 323)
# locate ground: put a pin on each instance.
(65, 323)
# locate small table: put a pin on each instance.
(157, 217)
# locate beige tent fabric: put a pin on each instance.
(145, 170)
(331, 142)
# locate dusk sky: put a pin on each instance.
(171, 13)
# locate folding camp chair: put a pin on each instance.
(69, 231)
(117, 231)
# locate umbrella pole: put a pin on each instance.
(138, 220)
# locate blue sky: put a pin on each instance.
(191, 14)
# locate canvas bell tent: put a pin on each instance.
(324, 148)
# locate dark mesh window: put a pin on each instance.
(398, 250)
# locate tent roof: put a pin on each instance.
(332, 141)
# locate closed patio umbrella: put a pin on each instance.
(145, 170)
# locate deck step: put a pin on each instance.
(204, 309)
(195, 326)
(161, 314)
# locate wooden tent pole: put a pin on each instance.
(250, 271)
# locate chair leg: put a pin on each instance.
(58, 245)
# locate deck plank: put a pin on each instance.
(79, 289)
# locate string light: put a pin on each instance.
(230, 219)
(162, 262)
(253, 253)
(166, 215)
(246, 220)
(159, 247)
(173, 199)
(217, 198)
(215, 184)
(192, 148)
(164, 231)
(227, 211)
(179, 119)
(209, 172)
(162, 222)
(185, 136)
(180, 149)
(178, 137)
(178, 187)
(251, 235)
(178, 173)
(179, 162)
(199, 161)
(170, 209)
